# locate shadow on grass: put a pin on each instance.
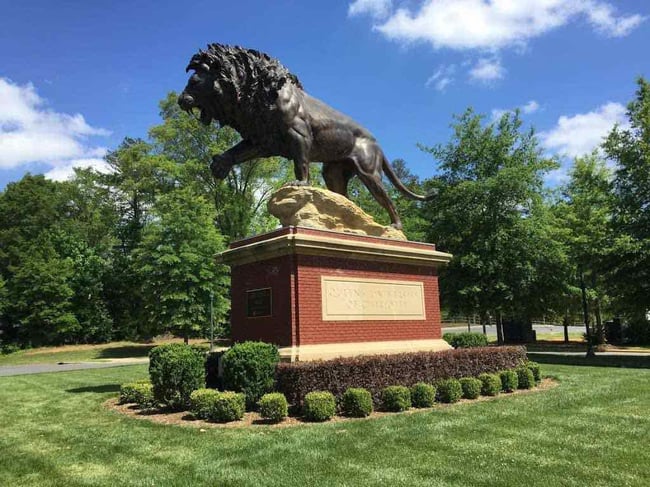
(126, 351)
(96, 389)
(622, 361)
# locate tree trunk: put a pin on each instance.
(186, 339)
(500, 337)
(565, 322)
(585, 314)
(599, 330)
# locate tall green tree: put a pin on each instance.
(39, 306)
(629, 148)
(136, 178)
(585, 214)
(27, 208)
(490, 213)
(176, 261)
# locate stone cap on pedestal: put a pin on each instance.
(326, 243)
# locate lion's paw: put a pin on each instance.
(219, 170)
(296, 183)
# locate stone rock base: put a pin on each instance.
(310, 207)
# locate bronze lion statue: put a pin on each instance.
(258, 97)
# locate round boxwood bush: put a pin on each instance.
(319, 406)
(356, 402)
(423, 395)
(536, 370)
(449, 390)
(202, 402)
(228, 406)
(396, 398)
(491, 384)
(175, 370)
(525, 378)
(466, 339)
(128, 391)
(273, 407)
(471, 387)
(143, 395)
(509, 381)
(249, 367)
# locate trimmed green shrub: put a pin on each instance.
(175, 370)
(471, 387)
(143, 395)
(228, 406)
(536, 370)
(319, 406)
(375, 372)
(128, 391)
(525, 378)
(356, 402)
(449, 390)
(249, 367)
(466, 340)
(202, 403)
(491, 384)
(509, 381)
(396, 398)
(273, 407)
(423, 395)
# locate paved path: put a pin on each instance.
(7, 370)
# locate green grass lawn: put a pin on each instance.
(593, 429)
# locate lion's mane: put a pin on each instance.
(247, 74)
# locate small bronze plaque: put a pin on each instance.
(258, 302)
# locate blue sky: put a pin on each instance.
(76, 77)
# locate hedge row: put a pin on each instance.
(376, 372)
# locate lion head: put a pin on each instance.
(230, 79)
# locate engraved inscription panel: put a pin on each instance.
(350, 299)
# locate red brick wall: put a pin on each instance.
(312, 329)
(295, 281)
(278, 275)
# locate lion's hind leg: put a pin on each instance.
(377, 189)
(337, 174)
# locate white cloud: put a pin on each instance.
(442, 78)
(580, 134)
(602, 17)
(65, 170)
(375, 8)
(31, 132)
(487, 70)
(490, 24)
(530, 107)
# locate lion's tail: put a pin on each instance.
(388, 170)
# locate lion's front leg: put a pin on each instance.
(242, 152)
(220, 167)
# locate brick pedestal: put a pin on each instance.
(319, 294)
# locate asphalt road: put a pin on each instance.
(7, 370)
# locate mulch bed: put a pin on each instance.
(253, 419)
